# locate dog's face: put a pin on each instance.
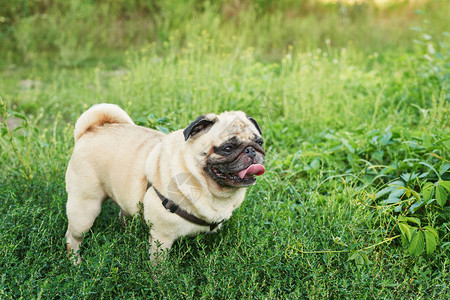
(228, 147)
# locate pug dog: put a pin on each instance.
(185, 182)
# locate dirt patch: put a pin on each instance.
(12, 122)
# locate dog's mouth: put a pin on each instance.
(242, 178)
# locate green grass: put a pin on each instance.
(354, 109)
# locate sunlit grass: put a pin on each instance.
(341, 121)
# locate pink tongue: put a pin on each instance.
(252, 170)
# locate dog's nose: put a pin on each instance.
(250, 151)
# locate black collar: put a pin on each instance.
(175, 209)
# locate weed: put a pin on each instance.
(355, 198)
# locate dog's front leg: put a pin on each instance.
(159, 243)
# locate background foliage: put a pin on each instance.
(353, 101)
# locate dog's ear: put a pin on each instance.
(255, 123)
(201, 124)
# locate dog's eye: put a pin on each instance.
(260, 142)
(228, 149)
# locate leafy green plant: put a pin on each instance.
(406, 169)
(163, 124)
(10, 140)
(415, 238)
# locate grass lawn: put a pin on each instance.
(353, 103)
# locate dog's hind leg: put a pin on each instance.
(82, 210)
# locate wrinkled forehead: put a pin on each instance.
(234, 124)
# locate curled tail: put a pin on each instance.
(98, 115)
